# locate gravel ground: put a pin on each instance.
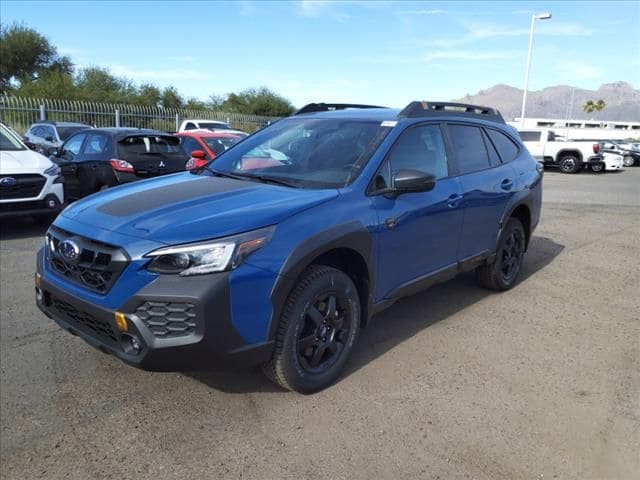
(542, 381)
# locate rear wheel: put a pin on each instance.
(317, 330)
(503, 272)
(570, 164)
(628, 161)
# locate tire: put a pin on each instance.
(597, 167)
(628, 161)
(511, 247)
(570, 164)
(309, 354)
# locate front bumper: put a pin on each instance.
(49, 204)
(189, 327)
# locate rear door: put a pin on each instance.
(152, 155)
(487, 184)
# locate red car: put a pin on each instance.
(204, 145)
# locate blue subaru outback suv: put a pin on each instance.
(277, 253)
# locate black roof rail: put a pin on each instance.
(328, 107)
(422, 109)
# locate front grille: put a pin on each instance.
(82, 319)
(21, 186)
(96, 265)
(168, 319)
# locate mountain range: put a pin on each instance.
(622, 102)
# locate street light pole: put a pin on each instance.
(541, 16)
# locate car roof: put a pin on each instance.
(123, 132)
(203, 132)
(199, 120)
(62, 124)
(356, 114)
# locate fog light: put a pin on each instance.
(121, 322)
(131, 344)
(39, 296)
(52, 203)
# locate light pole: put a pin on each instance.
(539, 16)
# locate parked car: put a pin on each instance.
(630, 155)
(569, 156)
(204, 145)
(47, 136)
(213, 125)
(610, 162)
(96, 159)
(29, 183)
(282, 265)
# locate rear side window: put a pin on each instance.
(468, 146)
(505, 146)
(96, 144)
(530, 136)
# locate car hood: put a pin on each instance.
(184, 207)
(22, 161)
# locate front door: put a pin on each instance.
(417, 233)
(68, 161)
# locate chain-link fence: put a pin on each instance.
(21, 112)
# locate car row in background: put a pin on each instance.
(30, 184)
(47, 136)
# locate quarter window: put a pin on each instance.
(494, 158)
(471, 154)
(505, 146)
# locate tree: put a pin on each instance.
(171, 98)
(26, 55)
(590, 106)
(260, 101)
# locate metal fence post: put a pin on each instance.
(177, 121)
(43, 115)
(117, 118)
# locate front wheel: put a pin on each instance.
(628, 161)
(597, 167)
(503, 272)
(317, 330)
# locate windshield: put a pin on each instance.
(66, 132)
(8, 142)
(307, 153)
(219, 145)
(217, 125)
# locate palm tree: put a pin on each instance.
(592, 106)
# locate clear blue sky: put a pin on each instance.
(375, 52)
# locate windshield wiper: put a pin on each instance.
(218, 173)
(267, 179)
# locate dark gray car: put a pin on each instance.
(47, 136)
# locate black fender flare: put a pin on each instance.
(521, 198)
(351, 235)
(569, 151)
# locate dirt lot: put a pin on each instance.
(539, 382)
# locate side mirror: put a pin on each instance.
(199, 154)
(406, 181)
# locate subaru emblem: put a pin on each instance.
(69, 250)
(7, 181)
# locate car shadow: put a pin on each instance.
(396, 324)
(16, 227)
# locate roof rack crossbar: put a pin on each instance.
(327, 107)
(422, 109)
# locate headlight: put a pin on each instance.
(208, 257)
(53, 170)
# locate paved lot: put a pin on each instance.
(539, 382)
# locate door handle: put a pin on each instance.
(391, 223)
(506, 184)
(453, 200)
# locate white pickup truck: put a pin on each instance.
(569, 156)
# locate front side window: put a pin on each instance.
(468, 146)
(219, 145)
(190, 144)
(49, 133)
(305, 152)
(73, 145)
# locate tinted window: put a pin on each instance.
(72, 147)
(96, 144)
(37, 131)
(142, 145)
(189, 145)
(494, 158)
(66, 132)
(505, 146)
(49, 132)
(189, 126)
(530, 136)
(469, 148)
(219, 145)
